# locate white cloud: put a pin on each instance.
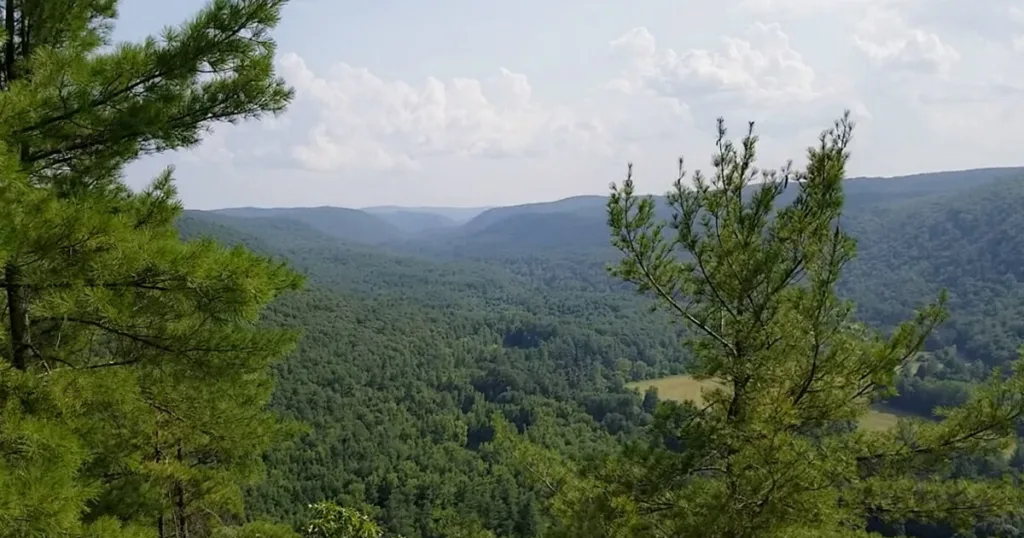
(802, 8)
(932, 84)
(214, 149)
(758, 77)
(890, 42)
(363, 121)
(905, 35)
(762, 69)
(1017, 15)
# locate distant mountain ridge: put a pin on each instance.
(339, 222)
(915, 236)
(457, 214)
(513, 312)
(414, 222)
(570, 223)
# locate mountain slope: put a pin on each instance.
(969, 243)
(917, 235)
(879, 192)
(404, 359)
(403, 363)
(577, 224)
(573, 205)
(339, 222)
(459, 215)
(416, 222)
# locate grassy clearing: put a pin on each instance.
(684, 387)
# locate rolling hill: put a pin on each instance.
(967, 242)
(459, 215)
(339, 222)
(918, 234)
(577, 223)
(413, 341)
(586, 205)
(571, 224)
(416, 222)
(405, 360)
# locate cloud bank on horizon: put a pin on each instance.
(461, 105)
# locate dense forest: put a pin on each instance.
(404, 360)
(435, 372)
(405, 338)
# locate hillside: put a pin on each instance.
(576, 226)
(342, 223)
(404, 361)
(459, 215)
(416, 222)
(969, 243)
(884, 191)
(586, 205)
(526, 234)
(574, 223)
(961, 235)
(409, 349)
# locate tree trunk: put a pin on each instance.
(182, 520)
(9, 25)
(160, 521)
(17, 306)
(17, 301)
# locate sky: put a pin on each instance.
(483, 103)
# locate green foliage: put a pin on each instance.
(773, 453)
(78, 115)
(402, 363)
(969, 245)
(405, 359)
(135, 367)
(256, 529)
(329, 520)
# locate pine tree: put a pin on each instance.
(135, 371)
(776, 452)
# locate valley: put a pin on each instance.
(415, 342)
(329, 356)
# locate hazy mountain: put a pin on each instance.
(416, 222)
(917, 235)
(457, 214)
(885, 191)
(262, 233)
(571, 224)
(859, 191)
(342, 223)
(586, 204)
(578, 223)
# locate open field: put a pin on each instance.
(684, 387)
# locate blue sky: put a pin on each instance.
(465, 103)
